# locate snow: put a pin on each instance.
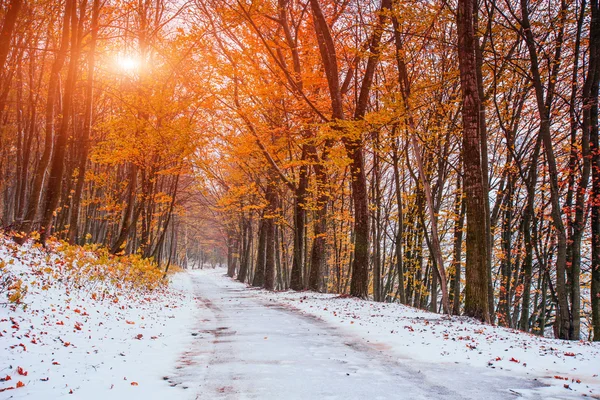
(210, 337)
(65, 344)
(566, 369)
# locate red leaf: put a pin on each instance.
(134, 384)
(514, 360)
(20, 384)
(21, 371)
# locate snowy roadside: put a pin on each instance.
(569, 369)
(70, 343)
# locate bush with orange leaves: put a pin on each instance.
(94, 269)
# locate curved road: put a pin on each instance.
(247, 348)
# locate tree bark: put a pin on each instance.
(476, 288)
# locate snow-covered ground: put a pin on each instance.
(65, 342)
(563, 369)
(209, 337)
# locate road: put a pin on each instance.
(244, 347)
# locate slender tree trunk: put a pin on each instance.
(269, 279)
(87, 128)
(528, 217)
(399, 229)
(296, 281)
(57, 165)
(246, 248)
(544, 104)
(318, 255)
(259, 272)
(459, 210)
(595, 152)
(130, 217)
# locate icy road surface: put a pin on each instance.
(245, 347)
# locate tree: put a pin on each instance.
(476, 287)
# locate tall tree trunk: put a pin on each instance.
(595, 152)
(504, 305)
(37, 190)
(269, 279)
(544, 105)
(359, 283)
(259, 272)
(296, 281)
(87, 128)
(318, 255)
(484, 160)
(57, 165)
(246, 229)
(400, 228)
(528, 219)
(459, 211)
(476, 288)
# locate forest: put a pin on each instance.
(440, 154)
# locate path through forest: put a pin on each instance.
(246, 347)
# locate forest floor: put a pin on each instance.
(206, 336)
(87, 341)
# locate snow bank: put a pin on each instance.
(567, 369)
(73, 342)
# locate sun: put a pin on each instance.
(128, 63)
